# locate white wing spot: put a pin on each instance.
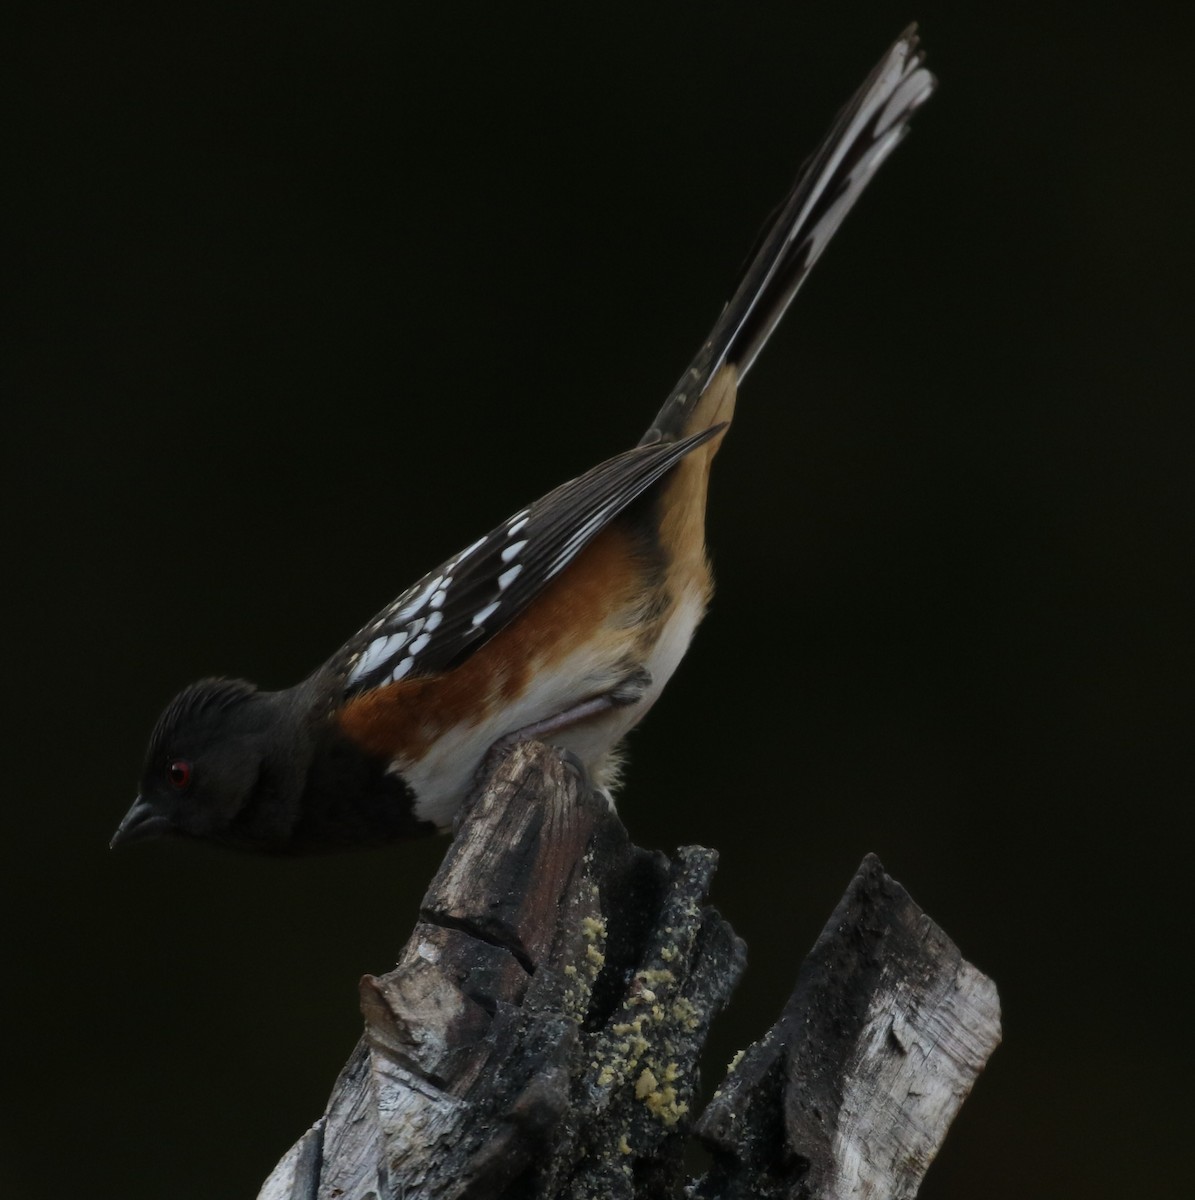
(418, 644)
(485, 614)
(512, 550)
(508, 577)
(433, 621)
(402, 668)
(517, 524)
(412, 606)
(460, 558)
(376, 653)
(440, 595)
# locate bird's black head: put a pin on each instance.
(208, 768)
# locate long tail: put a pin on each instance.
(867, 130)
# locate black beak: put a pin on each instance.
(140, 823)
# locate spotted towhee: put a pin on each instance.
(564, 623)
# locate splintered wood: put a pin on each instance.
(540, 1034)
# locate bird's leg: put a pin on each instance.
(628, 690)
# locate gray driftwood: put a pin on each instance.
(540, 1033)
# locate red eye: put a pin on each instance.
(179, 773)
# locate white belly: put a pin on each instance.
(442, 779)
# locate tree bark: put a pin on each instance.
(540, 1034)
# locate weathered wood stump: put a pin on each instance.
(540, 1033)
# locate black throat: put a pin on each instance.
(316, 791)
(352, 799)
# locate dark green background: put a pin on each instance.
(303, 297)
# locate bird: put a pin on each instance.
(562, 624)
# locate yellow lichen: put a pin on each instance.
(655, 976)
(659, 1095)
(683, 1013)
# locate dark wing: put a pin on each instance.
(460, 605)
(866, 131)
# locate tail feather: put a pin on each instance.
(866, 131)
